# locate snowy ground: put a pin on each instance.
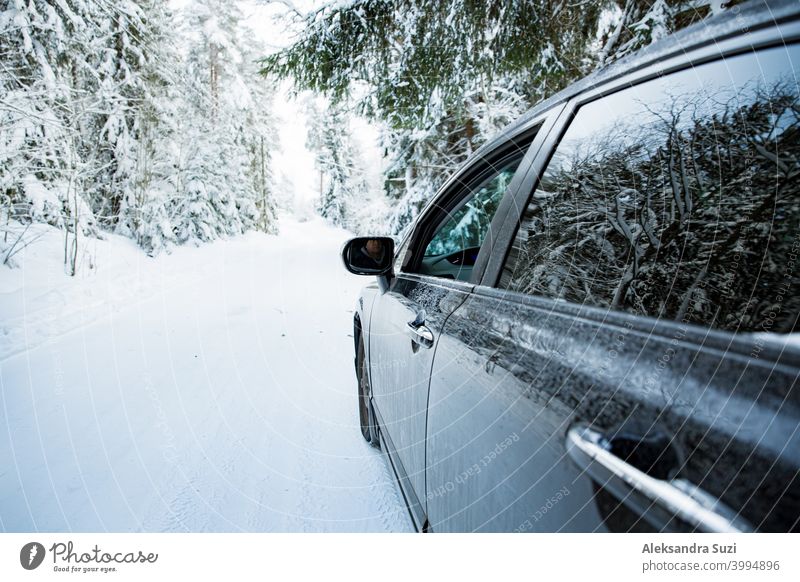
(207, 390)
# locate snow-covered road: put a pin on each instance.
(207, 390)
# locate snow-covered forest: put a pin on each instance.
(441, 78)
(155, 120)
(132, 118)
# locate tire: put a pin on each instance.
(366, 415)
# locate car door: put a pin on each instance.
(434, 279)
(630, 363)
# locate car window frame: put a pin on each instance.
(461, 184)
(717, 51)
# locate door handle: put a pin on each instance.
(420, 333)
(656, 500)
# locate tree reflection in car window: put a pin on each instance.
(678, 198)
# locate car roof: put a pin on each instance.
(736, 21)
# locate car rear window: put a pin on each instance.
(678, 198)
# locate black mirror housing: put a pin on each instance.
(369, 255)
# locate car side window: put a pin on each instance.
(453, 249)
(466, 227)
(678, 198)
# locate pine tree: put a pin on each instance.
(133, 123)
(42, 47)
(344, 189)
(444, 76)
(79, 95)
(634, 24)
(49, 95)
(147, 210)
(226, 134)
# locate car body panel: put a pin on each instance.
(530, 369)
(400, 370)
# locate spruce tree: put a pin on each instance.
(444, 76)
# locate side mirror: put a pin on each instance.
(369, 255)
